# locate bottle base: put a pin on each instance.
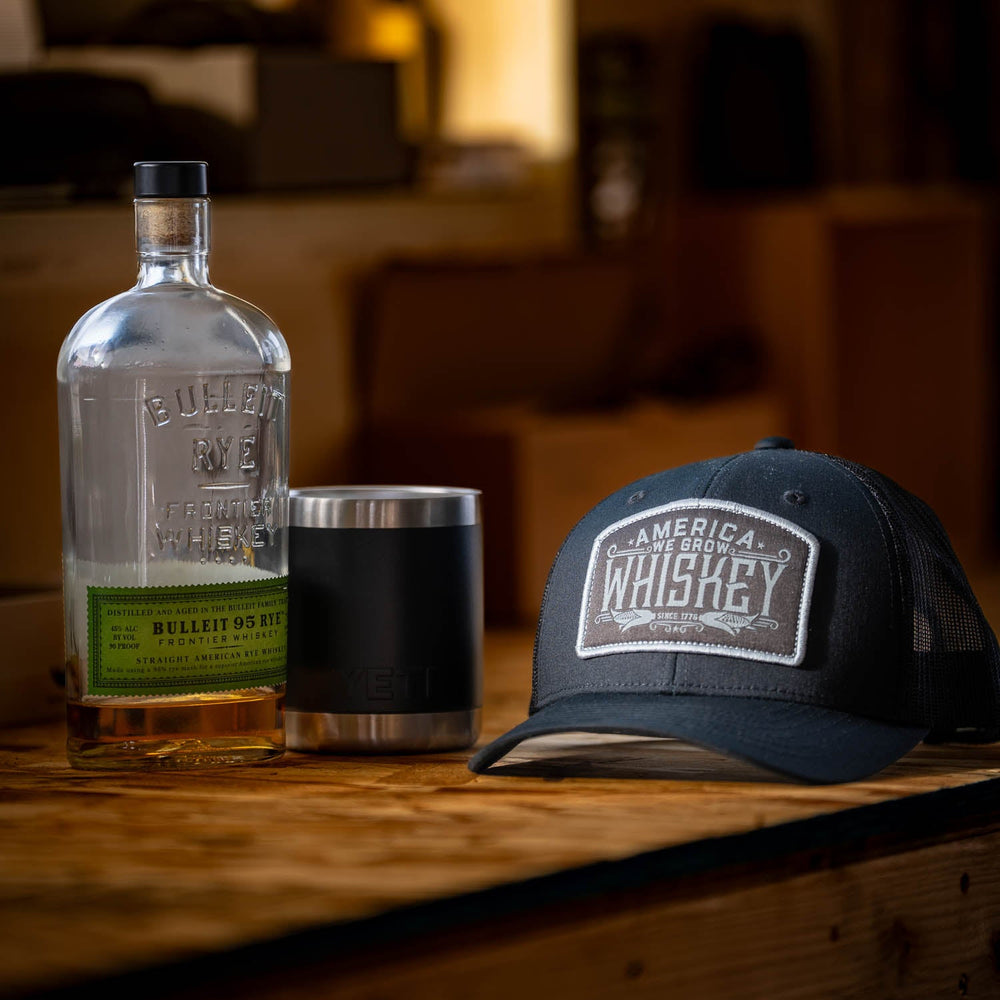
(170, 735)
(167, 755)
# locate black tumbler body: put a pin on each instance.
(385, 619)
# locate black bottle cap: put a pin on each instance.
(171, 179)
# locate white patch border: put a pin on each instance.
(668, 646)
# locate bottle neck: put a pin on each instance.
(172, 239)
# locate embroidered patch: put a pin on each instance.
(700, 575)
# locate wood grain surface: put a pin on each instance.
(101, 874)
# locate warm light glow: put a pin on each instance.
(508, 72)
(394, 33)
(375, 29)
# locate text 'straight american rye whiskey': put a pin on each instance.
(173, 422)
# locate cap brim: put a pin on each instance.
(803, 742)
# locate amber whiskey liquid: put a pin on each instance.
(205, 730)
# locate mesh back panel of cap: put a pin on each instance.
(955, 667)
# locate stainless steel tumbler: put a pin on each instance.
(385, 619)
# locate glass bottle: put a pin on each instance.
(173, 423)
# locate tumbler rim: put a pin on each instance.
(384, 506)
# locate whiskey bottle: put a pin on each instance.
(173, 422)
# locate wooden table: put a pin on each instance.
(382, 877)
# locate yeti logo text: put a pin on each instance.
(700, 575)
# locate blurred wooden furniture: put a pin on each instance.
(876, 308)
(295, 255)
(532, 378)
(409, 876)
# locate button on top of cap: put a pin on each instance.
(773, 442)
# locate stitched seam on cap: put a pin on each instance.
(866, 482)
(890, 540)
(718, 472)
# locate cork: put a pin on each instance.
(171, 225)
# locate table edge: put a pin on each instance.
(828, 840)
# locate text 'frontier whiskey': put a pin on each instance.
(173, 422)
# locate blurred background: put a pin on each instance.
(539, 247)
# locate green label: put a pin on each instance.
(185, 640)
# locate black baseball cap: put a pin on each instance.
(788, 608)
